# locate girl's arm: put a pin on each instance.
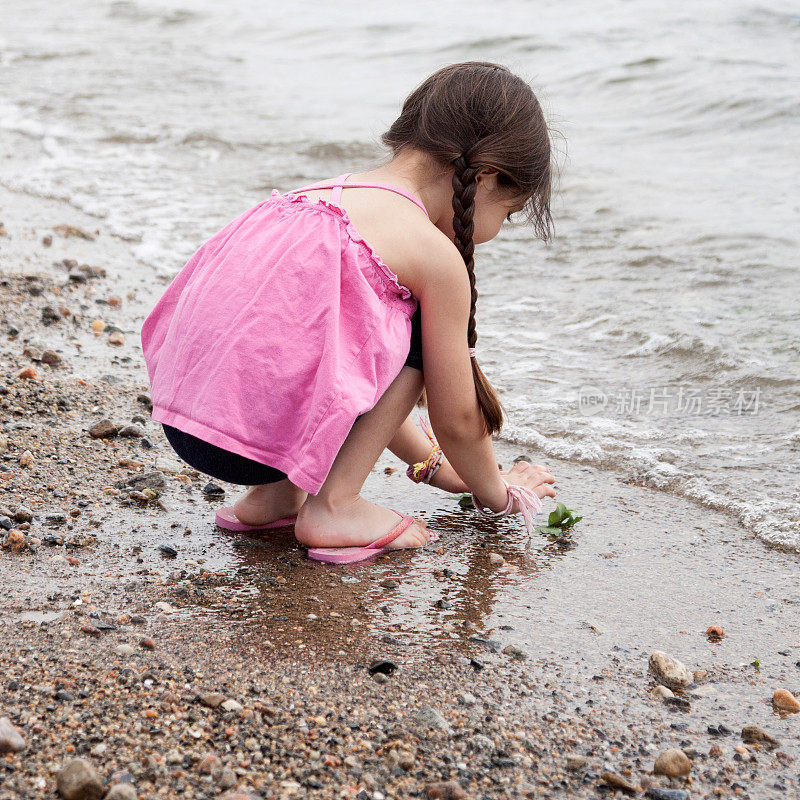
(439, 281)
(411, 445)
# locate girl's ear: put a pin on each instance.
(487, 177)
(486, 173)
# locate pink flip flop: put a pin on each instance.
(347, 555)
(226, 519)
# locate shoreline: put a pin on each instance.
(644, 571)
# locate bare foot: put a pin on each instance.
(269, 502)
(355, 523)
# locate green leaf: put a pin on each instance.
(465, 501)
(554, 518)
(550, 530)
(562, 510)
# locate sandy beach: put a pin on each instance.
(180, 661)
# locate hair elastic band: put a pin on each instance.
(527, 500)
(471, 351)
(423, 471)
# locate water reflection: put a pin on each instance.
(447, 592)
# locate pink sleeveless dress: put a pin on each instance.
(280, 330)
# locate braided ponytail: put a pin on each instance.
(465, 185)
(472, 116)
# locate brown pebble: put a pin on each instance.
(445, 790)
(147, 643)
(116, 338)
(213, 699)
(15, 541)
(783, 700)
(715, 633)
(47, 240)
(673, 763)
(104, 429)
(26, 459)
(90, 629)
(78, 780)
(618, 782)
(28, 373)
(755, 735)
(51, 357)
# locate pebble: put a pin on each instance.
(11, 740)
(755, 735)
(496, 559)
(213, 699)
(121, 791)
(445, 790)
(383, 667)
(715, 633)
(657, 793)
(668, 670)
(132, 431)
(619, 782)
(78, 780)
(209, 763)
(26, 459)
(212, 489)
(23, 514)
(515, 652)
(166, 608)
(673, 763)
(168, 550)
(116, 338)
(98, 326)
(227, 778)
(661, 692)
(51, 357)
(577, 763)
(389, 583)
(147, 643)
(467, 699)
(783, 700)
(104, 429)
(232, 705)
(125, 649)
(5, 522)
(15, 541)
(429, 717)
(28, 373)
(147, 480)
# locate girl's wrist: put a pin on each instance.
(496, 500)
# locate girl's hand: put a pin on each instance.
(531, 476)
(447, 479)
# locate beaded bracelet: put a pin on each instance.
(527, 500)
(423, 471)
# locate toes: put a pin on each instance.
(416, 535)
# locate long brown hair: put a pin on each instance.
(474, 116)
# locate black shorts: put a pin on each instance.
(231, 467)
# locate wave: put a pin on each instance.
(774, 522)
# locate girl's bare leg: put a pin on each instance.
(269, 502)
(337, 516)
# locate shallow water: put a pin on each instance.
(659, 335)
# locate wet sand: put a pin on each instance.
(530, 663)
